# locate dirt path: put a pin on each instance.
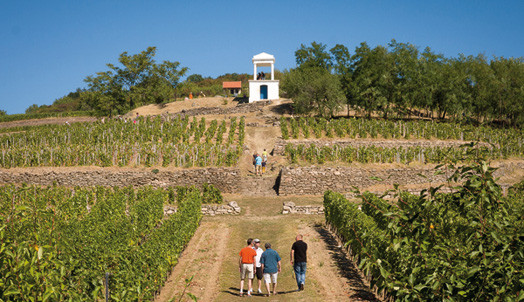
(258, 139)
(212, 256)
(329, 263)
(202, 259)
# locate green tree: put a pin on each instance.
(31, 109)
(344, 69)
(313, 89)
(313, 56)
(3, 112)
(138, 81)
(195, 78)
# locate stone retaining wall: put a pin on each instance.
(280, 145)
(231, 208)
(227, 180)
(291, 208)
(317, 180)
(240, 108)
(310, 180)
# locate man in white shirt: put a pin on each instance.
(259, 273)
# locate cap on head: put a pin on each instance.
(256, 240)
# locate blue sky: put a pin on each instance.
(47, 48)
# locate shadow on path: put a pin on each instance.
(235, 291)
(346, 267)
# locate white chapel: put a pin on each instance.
(261, 88)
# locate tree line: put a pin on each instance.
(399, 80)
(136, 81)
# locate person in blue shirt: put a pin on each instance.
(258, 165)
(271, 266)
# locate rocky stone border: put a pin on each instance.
(227, 180)
(290, 208)
(240, 108)
(231, 208)
(316, 180)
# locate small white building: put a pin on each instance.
(261, 88)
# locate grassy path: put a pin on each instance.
(212, 256)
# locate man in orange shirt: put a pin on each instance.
(247, 266)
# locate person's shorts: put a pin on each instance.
(259, 273)
(263, 164)
(247, 269)
(270, 278)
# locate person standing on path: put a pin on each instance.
(258, 165)
(298, 260)
(271, 266)
(258, 273)
(246, 265)
(264, 161)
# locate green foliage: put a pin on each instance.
(504, 142)
(371, 154)
(312, 85)
(207, 86)
(71, 102)
(58, 243)
(138, 82)
(460, 246)
(399, 79)
(210, 194)
(283, 128)
(314, 90)
(150, 142)
(517, 189)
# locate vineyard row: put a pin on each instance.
(460, 246)
(149, 142)
(58, 243)
(371, 154)
(509, 141)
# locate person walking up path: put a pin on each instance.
(246, 265)
(298, 257)
(258, 273)
(271, 266)
(258, 165)
(264, 161)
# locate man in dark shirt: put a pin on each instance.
(298, 260)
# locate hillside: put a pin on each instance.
(212, 140)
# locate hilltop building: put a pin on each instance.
(262, 88)
(232, 88)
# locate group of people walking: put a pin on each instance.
(260, 162)
(266, 265)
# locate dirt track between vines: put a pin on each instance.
(212, 256)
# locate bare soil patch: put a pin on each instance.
(178, 106)
(202, 260)
(329, 264)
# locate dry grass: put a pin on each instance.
(178, 106)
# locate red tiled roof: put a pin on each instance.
(232, 84)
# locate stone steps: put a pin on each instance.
(258, 186)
